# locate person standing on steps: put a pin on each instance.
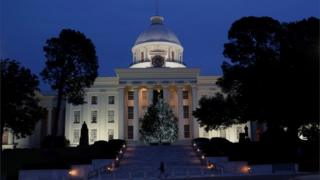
(162, 170)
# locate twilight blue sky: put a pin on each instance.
(114, 25)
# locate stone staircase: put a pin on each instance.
(142, 162)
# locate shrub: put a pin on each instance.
(54, 142)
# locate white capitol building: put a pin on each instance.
(115, 104)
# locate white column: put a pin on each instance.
(181, 118)
(136, 115)
(195, 128)
(150, 95)
(68, 123)
(10, 137)
(49, 123)
(121, 104)
(165, 94)
(61, 122)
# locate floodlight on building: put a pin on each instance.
(124, 146)
(210, 165)
(202, 157)
(245, 169)
(120, 152)
(198, 150)
(73, 172)
(109, 169)
(117, 158)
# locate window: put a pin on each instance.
(110, 134)
(130, 132)
(76, 136)
(186, 131)
(76, 117)
(130, 95)
(222, 133)
(186, 112)
(239, 130)
(130, 112)
(94, 100)
(172, 55)
(93, 135)
(110, 99)
(94, 115)
(185, 94)
(142, 56)
(111, 116)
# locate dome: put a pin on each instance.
(157, 32)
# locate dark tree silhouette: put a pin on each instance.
(20, 109)
(71, 66)
(300, 76)
(84, 138)
(250, 77)
(214, 112)
(273, 73)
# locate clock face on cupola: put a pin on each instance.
(157, 61)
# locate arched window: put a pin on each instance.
(172, 56)
(142, 56)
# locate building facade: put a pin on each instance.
(44, 127)
(116, 104)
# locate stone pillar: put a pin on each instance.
(121, 104)
(165, 91)
(195, 124)
(150, 95)
(136, 115)
(180, 118)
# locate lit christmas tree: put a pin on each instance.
(159, 124)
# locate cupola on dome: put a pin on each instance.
(157, 46)
(157, 31)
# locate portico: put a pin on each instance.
(148, 85)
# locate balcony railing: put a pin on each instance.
(167, 60)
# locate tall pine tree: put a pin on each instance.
(84, 138)
(159, 124)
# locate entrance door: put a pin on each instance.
(157, 94)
